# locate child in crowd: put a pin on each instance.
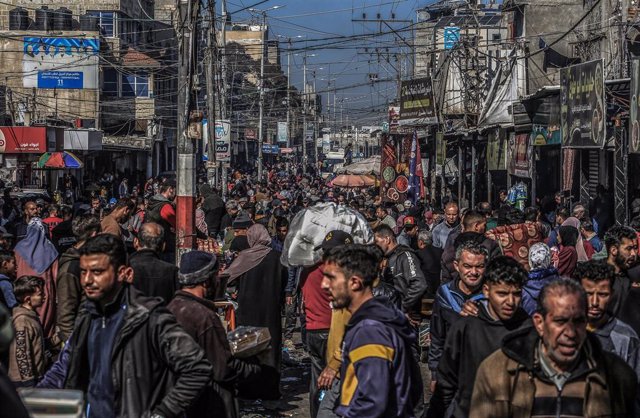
(27, 359)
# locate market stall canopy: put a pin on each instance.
(353, 180)
(310, 226)
(63, 159)
(368, 166)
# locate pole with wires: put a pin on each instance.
(185, 200)
(261, 111)
(211, 101)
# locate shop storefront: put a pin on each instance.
(20, 149)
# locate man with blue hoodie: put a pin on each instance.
(380, 377)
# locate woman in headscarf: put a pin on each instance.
(581, 248)
(541, 273)
(568, 255)
(37, 256)
(260, 282)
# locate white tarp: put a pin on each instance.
(504, 91)
(367, 166)
(310, 226)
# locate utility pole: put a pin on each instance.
(289, 95)
(223, 88)
(211, 100)
(304, 114)
(185, 201)
(260, 122)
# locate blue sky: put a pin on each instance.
(320, 27)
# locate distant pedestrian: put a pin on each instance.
(152, 276)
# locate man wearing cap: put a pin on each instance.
(236, 239)
(317, 309)
(409, 234)
(161, 210)
(6, 239)
(197, 315)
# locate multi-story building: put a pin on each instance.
(99, 66)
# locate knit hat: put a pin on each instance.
(539, 256)
(196, 267)
(242, 221)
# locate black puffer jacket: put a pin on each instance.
(156, 366)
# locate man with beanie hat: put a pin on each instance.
(236, 238)
(317, 310)
(197, 315)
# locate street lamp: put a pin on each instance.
(264, 42)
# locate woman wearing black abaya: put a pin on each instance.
(260, 283)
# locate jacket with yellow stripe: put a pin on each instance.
(380, 377)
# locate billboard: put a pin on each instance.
(416, 102)
(582, 106)
(60, 63)
(23, 140)
(223, 140)
(283, 132)
(250, 133)
(634, 111)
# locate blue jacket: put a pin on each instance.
(381, 378)
(531, 289)
(446, 311)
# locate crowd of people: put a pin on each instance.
(527, 312)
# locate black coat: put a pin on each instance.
(260, 297)
(430, 265)
(156, 366)
(199, 319)
(469, 342)
(152, 276)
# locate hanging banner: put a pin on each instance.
(283, 132)
(416, 102)
(497, 150)
(394, 181)
(520, 156)
(582, 107)
(394, 117)
(634, 119)
(223, 140)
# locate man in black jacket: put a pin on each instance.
(198, 316)
(429, 257)
(151, 275)
(403, 270)
(127, 352)
(472, 339)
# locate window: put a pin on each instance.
(496, 38)
(135, 85)
(106, 22)
(110, 82)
